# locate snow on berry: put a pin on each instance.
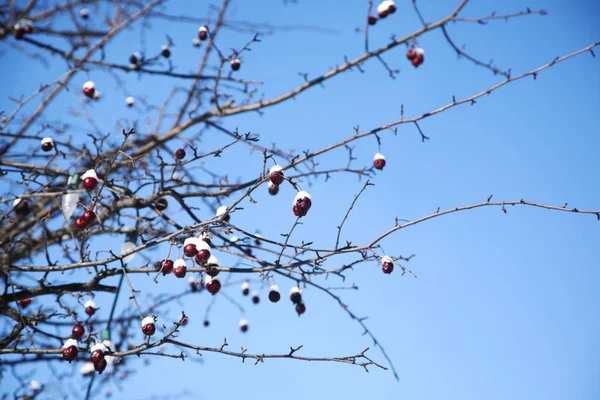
(296, 295)
(379, 161)
(212, 284)
(244, 325)
(202, 33)
(276, 175)
(90, 179)
(274, 295)
(222, 212)
(47, 144)
(90, 307)
(179, 268)
(148, 327)
(130, 101)
(89, 88)
(302, 203)
(70, 351)
(35, 386)
(87, 369)
(387, 264)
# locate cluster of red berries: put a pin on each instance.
(22, 28)
(302, 203)
(276, 178)
(87, 218)
(416, 56)
(384, 9)
(24, 303)
(99, 350)
(296, 298)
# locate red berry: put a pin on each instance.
(161, 204)
(89, 92)
(180, 154)
(180, 271)
(382, 13)
(387, 267)
(166, 267)
(203, 33)
(213, 286)
(24, 302)
(418, 60)
(190, 250)
(391, 9)
(379, 164)
(236, 64)
(300, 308)
(372, 20)
(47, 146)
(100, 366)
(90, 311)
(273, 189)
(302, 206)
(149, 329)
(77, 332)
(276, 177)
(21, 207)
(70, 353)
(202, 256)
(165, 52)
(89, 216)
(90, 183)
(411, 54)
(206, 322)
(244, 328)
(80, 223)
(97, 355)
(296, 297)
(255, 298)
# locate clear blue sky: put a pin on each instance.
(504, 306)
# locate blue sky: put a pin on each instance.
(504, 306)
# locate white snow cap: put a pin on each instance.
(147, 320)
(138, 55)
(35, 386)
(83, 12)
(271, 184)
(275, 168)
(87, 368)
(295, 289)
(383, 7)
(89, 85)
(301, 194)
(16, 202)
(110, 345)
(234, 239)
(90, 173)
(209, 279)
(191, 281)
(90, 303)
(274, 288)
(212, 260)
(201, 244)
(69, 343)
(203, 29)
(196, 42)
(379, 156)
(419, 51)
(130, 100)
(255, 293)
(386, 259)
(243, 322)
(47, 140)
(196, 241)
(245, 285)
(97, 94)
(180, 262)
(99, 346)
(221, 210)
(164, 47)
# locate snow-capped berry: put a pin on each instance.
(419, 57)
(212, 284)
(379, 161)
(196, 42)
(24, 303)
(382, 9)
(236, 64)
(97, 94)
(21, 207)
(89, 88)
(166, 267)
(205, 237)
(89, 216)
(206, 323)
(273, 188)
(189, 249)
(213, 261)
(130, 101)
(372, 20)
(148, 327)
(180, 154)
(202, 33)
(35, 386)
(203, 252)
(411, 54)
(391, 7)
(165, 51)
(69, 351)
(234, 239)
(276, 175)
(161, 204)
(84, 13)
(296, 295)
(255, 298)
(244, 325)
(222, 212)
(18, 31)
(90, 179)
(136, 58)
(245, 288)
(77, 332)
(179, 268)
(98, 350)
(193, 284)
(300, 308)
(90, 307)
(100, 366)
(419, 51)
(302, 203)
(47, 144)
(87, 369)
(80, 223)
(387, 264)
(110, 346)
(274, 295)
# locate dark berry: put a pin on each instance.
(77, 332)
(166, 267)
